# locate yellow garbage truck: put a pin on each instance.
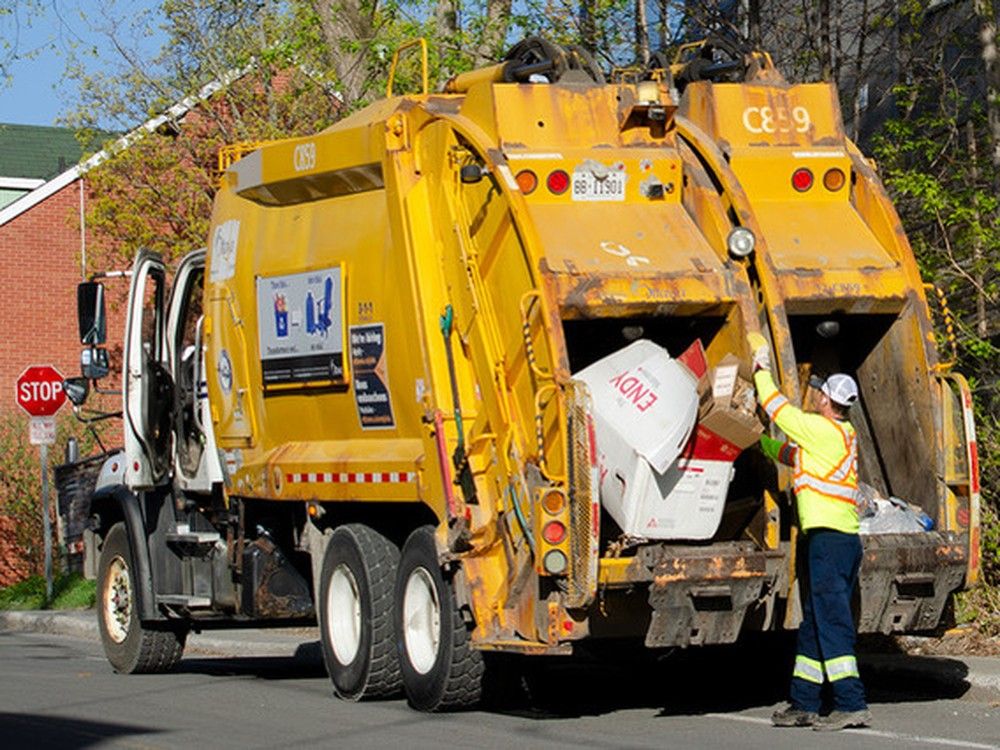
(375, 401)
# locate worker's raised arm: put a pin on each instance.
(800, 426)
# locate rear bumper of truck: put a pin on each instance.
(703, 594)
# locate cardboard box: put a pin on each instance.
(664, 470)
(646, 399)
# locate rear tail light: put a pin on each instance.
(802, 179)
(527, 181)
(834, 180)
(554, 532)
(557, 182)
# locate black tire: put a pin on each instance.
(131, 646)
(361, 660)
(449, 675)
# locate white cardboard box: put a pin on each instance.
(646, 398)
(645, 408)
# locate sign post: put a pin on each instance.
(39, 392)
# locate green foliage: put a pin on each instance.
(68, 592)
(21, 493)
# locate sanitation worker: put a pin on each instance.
(823, 451)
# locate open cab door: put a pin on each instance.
(148, 388)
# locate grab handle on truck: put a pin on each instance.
(395, 61)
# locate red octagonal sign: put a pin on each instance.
(39, 391)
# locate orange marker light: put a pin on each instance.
(527, 181)
(553, 502)
(834, 180)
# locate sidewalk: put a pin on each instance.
(299, 643)
(972, 677)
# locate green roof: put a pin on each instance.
(38, 152)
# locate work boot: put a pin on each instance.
(843, 720)
(793, 717)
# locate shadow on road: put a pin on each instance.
(297, 667)
(41, 731)
(716, 679)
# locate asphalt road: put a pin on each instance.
(59, 692)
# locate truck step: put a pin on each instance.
(193, 537)
(184, 600)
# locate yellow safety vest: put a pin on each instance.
(826, 465)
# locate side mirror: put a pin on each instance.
(90, 312)
(76, 390)
(94, 363)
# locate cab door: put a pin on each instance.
(148, 388)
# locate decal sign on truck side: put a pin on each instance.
(371, 380)
(300, 325)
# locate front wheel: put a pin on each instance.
(131, 646)
(441, 671)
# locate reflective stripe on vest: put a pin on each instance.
(841, 668)
(808, 669)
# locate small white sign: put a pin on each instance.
(223, 251)
(42, 431)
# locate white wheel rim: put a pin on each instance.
(343, 614)
(117, 599)
(421, 620)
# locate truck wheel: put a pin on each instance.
(355, 613)
(441, 671)
(131, 646)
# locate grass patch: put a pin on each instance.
(68, 592)
(981, 606)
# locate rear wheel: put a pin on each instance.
(441, 671)
(130, 646)
(355, 613)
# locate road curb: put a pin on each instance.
(233, 643)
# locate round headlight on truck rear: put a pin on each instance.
(741, 242)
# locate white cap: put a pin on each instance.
(841, 389)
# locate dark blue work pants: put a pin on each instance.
(828, 564)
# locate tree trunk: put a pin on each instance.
(753, 23)
(641, 34)
(348, 28)
(497, 22)
(978, 272)
(991, 67)
(825, 43)
(588, 26)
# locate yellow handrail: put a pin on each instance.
(949, 327)
(395, 61)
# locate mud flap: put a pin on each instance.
(700, 595)
(906, 579)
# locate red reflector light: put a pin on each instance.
(557, 182)
(802, 179)
(554, 532)
(527, 181)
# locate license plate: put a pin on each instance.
(589, 187)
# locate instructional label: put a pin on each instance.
(300, 327)
(371, 379)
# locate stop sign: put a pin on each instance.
(39, 391)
